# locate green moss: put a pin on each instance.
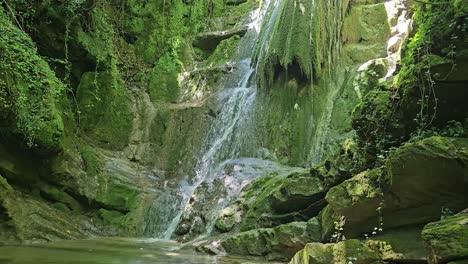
(376, 121)
(112, 218)
(349, 251)
(447, 239)
(366, 31)
(5, 188)
(29, 90)
(438, 40)
(266, 200)
(53, 193)
(163, 83)
(224, 51)
(106, 117)
(106, 188)
(302, 41)
(279, 243)
(92, 161)
(363, 186)
(227, 220)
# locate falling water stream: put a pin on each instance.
(231, 131)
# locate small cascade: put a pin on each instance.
(231, 133)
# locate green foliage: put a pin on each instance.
(439, 35)
(452, 129)
(92, 162)
(224, 51)
(29, 90)
(163, 84)
(376, 121)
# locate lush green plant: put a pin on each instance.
(29, 89)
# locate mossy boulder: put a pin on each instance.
(419, 179)
(281, 198)
(53, 193)
(224, 51)
(406, 241)
(447, 239)
(228, 218)
(431, 88)
(279, 243)
(349, 251)
(163, 81)
(357, 200)
(430, 174)
(347, 161)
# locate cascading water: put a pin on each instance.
(226, 129)
(231, 133)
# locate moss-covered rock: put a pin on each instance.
(211, 40)
(347, 161)
(357, 201)
(29, 92)
(447, 239)
(430, 87)
(105, 111)
(279, 243)
(110, 181)
(406, 241)
(412, 189)
(431, 173)
(366, 31)
(54, 194)
(277, 199)
(31, 219)
(349, 251)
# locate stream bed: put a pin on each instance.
(111, 251)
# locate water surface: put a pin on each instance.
(111, 251)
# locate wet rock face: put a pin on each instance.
(447, 239)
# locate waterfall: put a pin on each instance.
(231, 132)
